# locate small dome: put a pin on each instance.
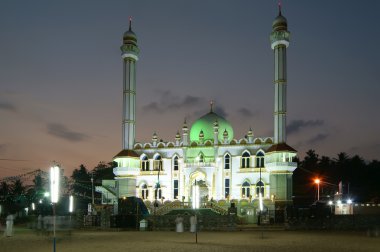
(280, 23)
(154, 137)
(250, 132)
(129, 36)
(206, 124)
(201, 134)
(177, 136)
(225, 133)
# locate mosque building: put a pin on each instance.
(205, 157)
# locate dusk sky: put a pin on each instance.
(61, 75)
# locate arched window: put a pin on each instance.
(144, 163)
(260, 188)
(245, 160)
(175, 163)
(260, 160)
(245, 190)
(157, 163)
(144, 192)
(227, 161)
(157, 192)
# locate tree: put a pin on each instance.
(81, 181)
(103, 171)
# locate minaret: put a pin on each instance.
(279, 42)
(185, 134)
(129, 53)
(128, 161)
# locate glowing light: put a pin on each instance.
(339, 202)
(40, 201)
(54, 184)
(349, 201)
(317, 181)
(261, 202)
(33, 206)
(330, 202)
(196, 197)
(46, 194)
(71, 203)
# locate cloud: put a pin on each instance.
(8, 106)
(169, 102)
(297, 125)
(220, 111)
(318, 138)
(244, 112)
(60, 131)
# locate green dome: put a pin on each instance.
(206, 124)
(280, 23)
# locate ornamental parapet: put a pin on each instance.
(199, 164)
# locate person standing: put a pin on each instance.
(179, 224)
(9, 226)
(193, 224)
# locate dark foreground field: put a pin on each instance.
(95, 241)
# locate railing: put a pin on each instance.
(216, 208)
(164, 209)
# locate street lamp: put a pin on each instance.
(317, 181)
(71, 204)
(54, 193)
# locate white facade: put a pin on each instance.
(207, 154)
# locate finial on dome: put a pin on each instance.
(130, 23)
(279, 7)
(211, 105)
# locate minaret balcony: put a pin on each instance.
(281, 166)
(126, 171)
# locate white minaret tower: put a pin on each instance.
(128, 160)
(279, 42)
(279, 157)
(129, 53)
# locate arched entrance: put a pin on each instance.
(199, 178)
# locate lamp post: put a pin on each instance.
(92, 189)
(156, 193)
(54, 193)
(317, 181)
(71, 207)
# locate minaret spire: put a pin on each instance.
(130, 23)
(279, 7)
(211, 105)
